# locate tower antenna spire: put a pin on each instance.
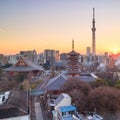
(93, 13)
(93, 34)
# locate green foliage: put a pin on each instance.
(100, 97)
(108, 77)
(38, 81)
(21, 87)
(46, 66)
(7, 65)
(0, 71)
(20, 78)
(34, 85)
(117, 84)
(99, 82)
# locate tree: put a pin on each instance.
(104, 99)
(99, 82)
(108, 76)
(117, 84)
(1, 71)
(7, 85)
(26, 84)
(78, 90)
(74, 83)
(78, 99)
(20, 77)
(7, 65)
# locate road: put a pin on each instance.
(38, 110)
(38, 107)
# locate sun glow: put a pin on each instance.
(115, 50)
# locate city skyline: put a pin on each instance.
(27, 25)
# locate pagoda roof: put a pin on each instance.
(73, 53)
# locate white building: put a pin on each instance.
(62, 100)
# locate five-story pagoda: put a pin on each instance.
(73, 62)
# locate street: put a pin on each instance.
(38, 109)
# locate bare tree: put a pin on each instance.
(104, 99)
(78, 90)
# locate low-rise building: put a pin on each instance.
(15, 107)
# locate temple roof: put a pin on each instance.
(24, 65)
(57, 82)
(73, 53)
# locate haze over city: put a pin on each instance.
(52, 24)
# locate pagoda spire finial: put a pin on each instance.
(72, 44)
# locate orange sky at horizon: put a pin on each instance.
(38, 25)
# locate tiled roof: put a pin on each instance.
(16, 105)
(57, 82)
(30, 66)
(10, 111)
(73, 53)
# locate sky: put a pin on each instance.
(52, 24)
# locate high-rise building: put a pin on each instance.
(63, 56)
(31, 55)
(51, 56)
(88, 51)
(3, 59)
(93, 34)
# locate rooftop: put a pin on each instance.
(61, 97)
(67, 108)
(10, 111)
(57, 82)
(24, 65)
(15, 105)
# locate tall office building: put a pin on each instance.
(93, 34)
(51, 56)
(31, 55)
(88, 51)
